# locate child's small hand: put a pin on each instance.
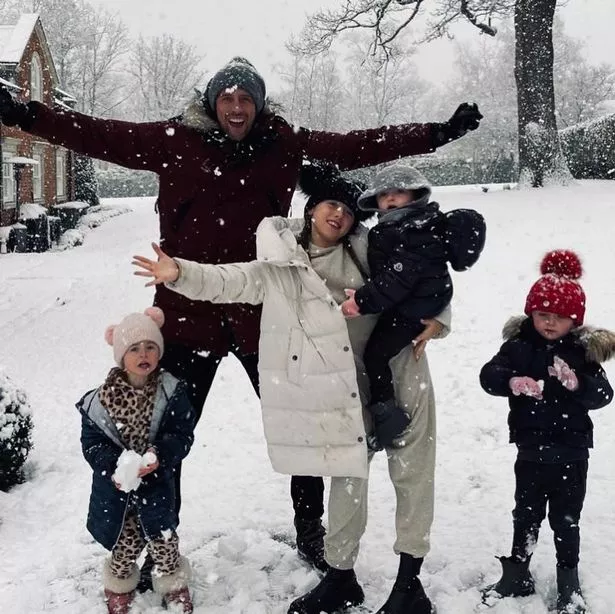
(349, 307)
(526, 386)
(152, 463)
(564, 374)
(164, 270)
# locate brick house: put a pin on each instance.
(46, 171)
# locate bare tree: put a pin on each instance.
(166, 71)
(540, 157)
(580, 88)
(314, 92)
(87, 44)
(382, 87)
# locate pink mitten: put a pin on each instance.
(564, 374)
(526, 386)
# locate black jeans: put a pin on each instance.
(563, 486)
(198, 370)
(390, 336)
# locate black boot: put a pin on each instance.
(407, 596)
(311, 542)
(145, 577)
(569, 596)
(516, 580)
(336, 592)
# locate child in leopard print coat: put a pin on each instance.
(141, 408)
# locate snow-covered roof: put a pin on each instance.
(10, 84)
(13, 39)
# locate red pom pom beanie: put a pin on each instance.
(557, 291)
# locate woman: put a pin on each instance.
(313, 387)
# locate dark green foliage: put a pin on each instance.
(589, 148)
(118, 182)
(455, 171)
(15, 433)
(86, 184)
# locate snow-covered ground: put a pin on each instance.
(236, 514)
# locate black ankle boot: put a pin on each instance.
(145, 575)
(336, 592)
(408, 595)
(516, 580)
(311, 542)
(569, 596)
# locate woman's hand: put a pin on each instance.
(349, 307)
(164, 270)
(432, 329)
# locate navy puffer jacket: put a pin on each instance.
(171, 432)
(561, 417)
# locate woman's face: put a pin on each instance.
(331, 221)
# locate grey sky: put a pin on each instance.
(258, 29)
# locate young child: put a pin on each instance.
(142, 409)
(408, 253)
(549, 369)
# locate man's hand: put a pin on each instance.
(432, 329)
(163, 271)
(564, 374)
(11, 111)
(349, 307)
(466, 117)
(526, 386)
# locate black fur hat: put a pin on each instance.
(320, 181)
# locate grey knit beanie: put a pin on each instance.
(239, 72)
(395, 177)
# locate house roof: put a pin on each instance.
(15, 38)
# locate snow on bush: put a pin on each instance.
(15, 433)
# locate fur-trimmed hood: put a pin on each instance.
(197, 117)
(599, 343)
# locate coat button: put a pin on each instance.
(295, 357)
(353, 395)
(360, 439)
(346, 348)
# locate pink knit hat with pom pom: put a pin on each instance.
(134, 328)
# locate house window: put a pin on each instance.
(8, 185)
(37, 177)
(60, 173)
(36, 79)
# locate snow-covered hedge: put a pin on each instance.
(589, 148)
(15, 432)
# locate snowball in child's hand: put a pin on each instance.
(127, 471)
(149, 458)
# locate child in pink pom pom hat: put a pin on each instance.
(139, 421)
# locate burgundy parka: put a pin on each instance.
(215, 191)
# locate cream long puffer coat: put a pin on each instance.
(312, 412)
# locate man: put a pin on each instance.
(224, 165)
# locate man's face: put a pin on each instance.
(236, 112)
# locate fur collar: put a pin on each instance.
(599, 343)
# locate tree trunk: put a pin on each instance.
(540, 157)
